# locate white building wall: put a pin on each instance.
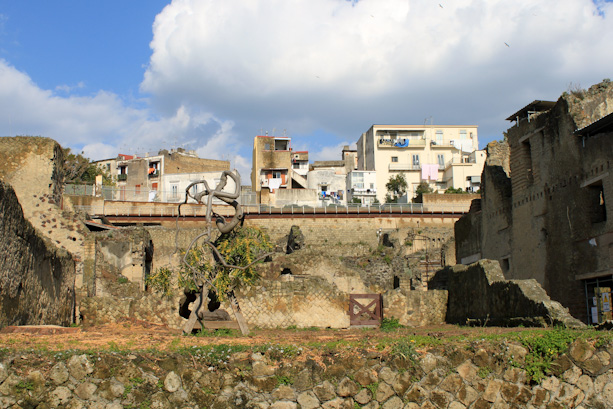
(405, 149)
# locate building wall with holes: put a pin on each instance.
(551, 210)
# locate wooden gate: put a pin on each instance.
(365, 309)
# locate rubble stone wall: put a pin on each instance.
(451, 376)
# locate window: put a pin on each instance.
(174, 190)
(439, 137)
(372, 185)
(358, 181)
(394, 159)
(598, 209)
(276, 174)
(463, 134)
(526, 156)
(415, 160)
(324, 188)
(108, 167)
(441, 160)
(137, 189)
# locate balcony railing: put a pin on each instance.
(122, 176)
(403, 166)
(401, 143)
(154, 174)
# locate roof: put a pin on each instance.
(535, 106)
(604, 124)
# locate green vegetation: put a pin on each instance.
(373, 388)
(284, 380)
(396, 187)
(240, 248)
(422, 189)
(78, 169)
(390, 324)
(543, 348)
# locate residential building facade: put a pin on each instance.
(276, 166)
(443, 156)
(362, 185)
(162, 177)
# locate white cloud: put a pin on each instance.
(325, 70)
(101, 125)
(341, 66)
(333, 152)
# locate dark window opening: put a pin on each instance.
(286, 271)
(396, 282)
(598, 208)
(505, 265)
(527, 156)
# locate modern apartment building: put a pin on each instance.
(161, 177)
(276, 166)
(443, 156)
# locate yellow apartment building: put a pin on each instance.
(443, 156)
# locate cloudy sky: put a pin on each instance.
(135, 76)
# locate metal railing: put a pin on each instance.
(195, 210)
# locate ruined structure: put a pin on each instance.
(480, 295)
(546, 207)
(36, 278)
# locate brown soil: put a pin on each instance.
(141, 336)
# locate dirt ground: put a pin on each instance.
(141, 336)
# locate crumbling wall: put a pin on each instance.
(36, 279)
(302, 302)
(416, 308)
(480, 294)
(33, 166)
(486, 233)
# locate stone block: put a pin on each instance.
(308, 400)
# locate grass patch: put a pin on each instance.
(543, 348)
(390, 324)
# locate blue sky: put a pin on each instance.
(140, 75)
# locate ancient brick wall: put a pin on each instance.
(36, 279)
(545, 213)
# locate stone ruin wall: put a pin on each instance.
(480, 374)
(36, 278)
(310, 287)
(33, 166)
(536, 212)
(479, 294)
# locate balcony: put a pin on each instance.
(401, 143)
(363, 192)
(122, 177)
(460, 161)
(273, 183)
(445, 144)
(154, 174)
(403, 166)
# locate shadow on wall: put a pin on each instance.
(479, 295)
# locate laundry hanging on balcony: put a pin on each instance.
(429, 172)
